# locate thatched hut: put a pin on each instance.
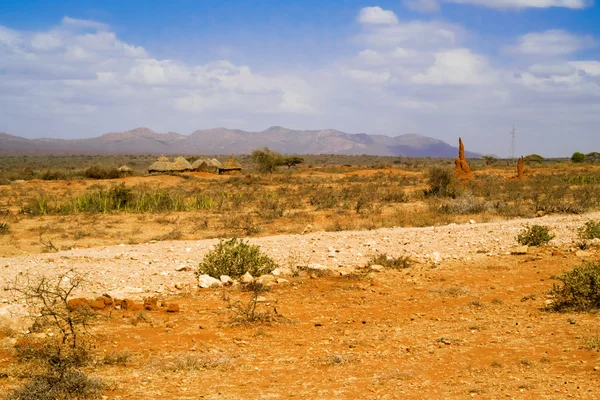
(163, 164)
(124, 170)
(230, 167)
(181, 165)
(206, 165)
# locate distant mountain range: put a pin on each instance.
(233, 141)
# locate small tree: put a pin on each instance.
(578, 157)
(267, 160)
(592, 157)
(534, 159)
(291, 161)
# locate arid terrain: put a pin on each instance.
(466, 318)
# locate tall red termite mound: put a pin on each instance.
(521, 168)
(461, 167)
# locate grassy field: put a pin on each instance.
(41, 212)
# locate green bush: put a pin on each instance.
(580, 290)
(441, 182)
(578, 157)
(234, 258)
(100, 172)
(535, 235)
(591, 230)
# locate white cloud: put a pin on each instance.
(368, 77)
(372, 57)
(551, 43)
(80, 78)
(456, 67)
(425, 6)
(414, 34)
(377, 16)
(506, 4)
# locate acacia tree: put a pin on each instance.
(290, 161)
(267, 160)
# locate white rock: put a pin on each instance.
(276, 272)
(436, 257)
(246, 278)
(472, 221)
(282, 281)
(316, 266)
(206, 281)
(377, 267)
(226, 280)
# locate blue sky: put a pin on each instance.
(442, 68)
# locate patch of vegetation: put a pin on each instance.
(400, 262)
(535, 235)
(234, 258)
(442, 182)
(590, 230)
(57, 359)
(578, 157)
(580, 289)
(4, 228)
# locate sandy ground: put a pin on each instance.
(465, 321)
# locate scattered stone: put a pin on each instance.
(267, 279)
(173, 308)
(557, 253)
(519, 250)
(582, 254)
(261, 299)
(539, 214)
(472, 221)
(127, 304)
(376, 267)
(316, 267)
(282, 281)
(276, 272)
(75, 304)
(182, 268)
(246, 278)
(151, 304)
(97, 304)
(206, 281)
(226, 280)
(179, 285)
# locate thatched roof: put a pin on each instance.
(215, 162)
(159, 166)
(179, 165)
(231, 163)
(124, 168)
(206, 164)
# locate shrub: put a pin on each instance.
(266, 160)
(578, 157)
(100, 172)
(441, 182)
(580, 290)
(591, 230)
(535, 235)
(234, 258)
(400, 262)
(4, 228)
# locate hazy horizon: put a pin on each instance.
(438, 68)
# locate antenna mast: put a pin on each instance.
(513, 144)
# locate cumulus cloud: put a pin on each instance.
(377, 16)
(456, 67)
(551, 43)
(80, 78)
